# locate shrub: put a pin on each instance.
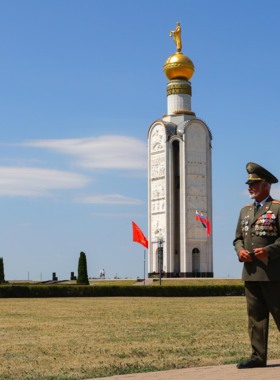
(82, 270)
(41, 291)
(2, 274)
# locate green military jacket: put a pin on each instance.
(260, 230)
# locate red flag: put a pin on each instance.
(206, 224)
(138, 235)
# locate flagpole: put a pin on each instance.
(139, 237)
(144, 265)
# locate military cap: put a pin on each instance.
(258, 173)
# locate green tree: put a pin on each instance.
(82, 270)
(2, 275)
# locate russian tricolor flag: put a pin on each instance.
(205, 222)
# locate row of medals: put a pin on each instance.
(264, 226)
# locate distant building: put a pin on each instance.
(180, 180)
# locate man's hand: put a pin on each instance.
(261, 253)
(244, 256)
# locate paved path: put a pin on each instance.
(222, 372)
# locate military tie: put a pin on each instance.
(257, 206)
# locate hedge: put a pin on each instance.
(41, 291)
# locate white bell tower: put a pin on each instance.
(180, 180)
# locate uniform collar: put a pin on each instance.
(267, 199)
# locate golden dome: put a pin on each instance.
(177, 66)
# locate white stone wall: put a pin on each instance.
(198, 193)
(194, 140)
(156, 190)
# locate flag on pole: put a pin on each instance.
(205, 222)
(197, 216)
(138, 235)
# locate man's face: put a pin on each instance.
(258, 190)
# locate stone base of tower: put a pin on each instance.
(197, 274)
(183, 275)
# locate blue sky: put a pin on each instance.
(80, 84)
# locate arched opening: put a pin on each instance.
(196, 262)
(176, 205)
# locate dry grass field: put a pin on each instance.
(78, 338)
(168, 282)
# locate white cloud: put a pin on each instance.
(30, 182)
(104, 152)
(113, 199)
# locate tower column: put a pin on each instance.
(179, 94)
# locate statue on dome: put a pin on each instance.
(176, 34)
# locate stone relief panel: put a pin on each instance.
(158, 206)
(158, 196)
(158, 226)
(157, 139)
(158, 189)
(157, 166)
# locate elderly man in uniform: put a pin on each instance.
(257, 243)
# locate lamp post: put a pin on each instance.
(160, 256)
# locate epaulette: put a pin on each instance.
(276, 202)
(249, 205)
